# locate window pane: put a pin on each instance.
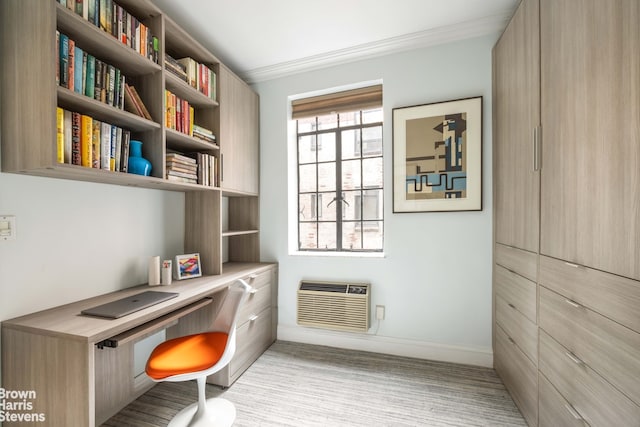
(351, 236)
(372, 235)
(306, 209)
(327, 206)
(351, 207)
(350, 143)
(306, 125)
(326, 176)
(327, 235)
(372, 116)
(326, 147)
(308, 235)
(349, 119)
(351, 175)
(330, 121)
(372, 141)
(307, 149)
(307, 178)
(372, 172)
(371, 204)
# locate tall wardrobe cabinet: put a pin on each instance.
(567, 211)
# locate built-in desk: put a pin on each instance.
(55, 352)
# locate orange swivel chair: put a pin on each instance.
(198, 356)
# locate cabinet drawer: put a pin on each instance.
(522, 330)
(607, 347)
(519, 375)
(252, 338)
(524, 263)
(517, 291)
(597, 401)
(258, 300)
(613, 296)
(554, 410)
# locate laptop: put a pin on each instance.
(131, 304)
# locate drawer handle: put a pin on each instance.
(574, 358)
(573, 411)
(253, 318)
(253, 277)
(511, 340)
(570, 264)
(572, 303)
(512, 306)
(253, 291)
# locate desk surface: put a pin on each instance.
(66, 320)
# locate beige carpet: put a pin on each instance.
(301, 385)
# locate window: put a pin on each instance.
(340, 180)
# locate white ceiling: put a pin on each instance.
(266, 39)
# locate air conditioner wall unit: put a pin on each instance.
(340, 306)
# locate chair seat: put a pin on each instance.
(192, 353)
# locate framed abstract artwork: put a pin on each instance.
(437, 157)
(188, 266)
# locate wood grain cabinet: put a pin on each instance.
(567, 210)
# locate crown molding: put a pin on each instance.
(432, 37)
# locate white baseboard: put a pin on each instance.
(388, 345)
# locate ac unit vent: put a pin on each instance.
(334, 305)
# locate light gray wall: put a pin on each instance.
(435, 278)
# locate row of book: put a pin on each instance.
(83, 73)
(179, 113)
(85, 141)
(194, 168)
(116, 21)
(199, 76)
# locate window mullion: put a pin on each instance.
(340, 205)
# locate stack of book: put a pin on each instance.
(203, 134)
(179, 114)
(200, 77)
(207, 169)
(175, 68)
(133, 103)
(181, 168)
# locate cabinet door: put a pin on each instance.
(516, 85)
(239, 138)
(590, 206)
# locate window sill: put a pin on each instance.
(339, 254)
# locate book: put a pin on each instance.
(180, 157)
(97, 81)
(71, 65)
(112, 148)
(105, 146)
(76, 158)
(86, 140)
(130, 104)
(95, 144)
(64, 60)
(58, 57)
(77, 73)
(124, 157)
(89, 85)
(67, 136)
(118, 148)
(145, 112)
(60, 134)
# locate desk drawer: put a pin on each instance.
(554, 409)
(522, 330)
(607, 347)
(517, 291)
(519, 375)
(597, 401)
(258, 300)
(257, 280)
(524, 263)
(252, 339)
(613, 296)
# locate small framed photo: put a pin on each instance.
(437, 157)
(188, 266)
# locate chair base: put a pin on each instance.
(219, 413)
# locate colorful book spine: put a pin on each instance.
(60, 134)
(95, 144)
(105, 146)
(77, 73)
(76, 157)
(86, 140)
(71, 65)
(64, 60)
(112, 148)
(89, 87)
(67, 136)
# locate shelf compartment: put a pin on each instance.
(73, 101)
(183, 142)
(183, 90)
(104, 46)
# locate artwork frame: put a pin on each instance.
(438, 175)
(188, 266)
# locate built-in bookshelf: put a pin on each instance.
(216, 124)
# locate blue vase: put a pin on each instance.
(138, 164)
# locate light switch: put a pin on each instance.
(7, 227)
